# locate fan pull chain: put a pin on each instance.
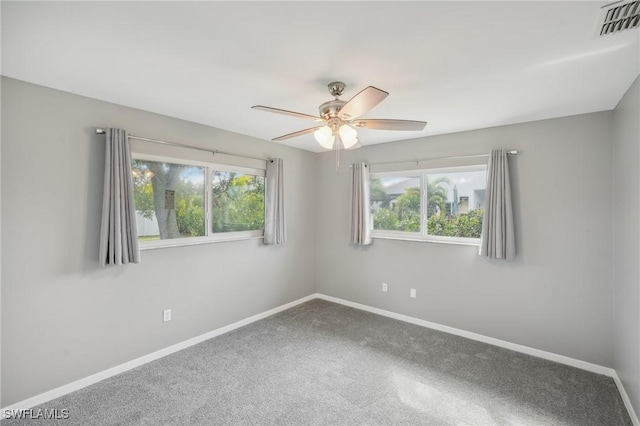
(335, 146)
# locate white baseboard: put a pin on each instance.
(479, 337)
(625, 399)
(95, 378)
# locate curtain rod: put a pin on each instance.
(101, 131)
(510, 152)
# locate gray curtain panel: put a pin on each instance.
(360, 205)
(274, 221)
(118, 235)
(498, 239)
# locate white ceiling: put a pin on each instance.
(457, 65)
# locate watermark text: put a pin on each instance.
(37, 414)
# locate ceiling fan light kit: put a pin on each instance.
(325, 137)
(348, 136)
(341, 118)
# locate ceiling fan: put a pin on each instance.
(338, 117)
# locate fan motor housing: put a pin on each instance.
(331, 109)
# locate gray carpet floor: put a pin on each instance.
(321, 363)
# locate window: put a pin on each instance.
(238, 202)
(188, 202)
(432, 205)
(395, 203)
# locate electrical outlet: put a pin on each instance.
(385, 287)
(412, 293)
(166, 315)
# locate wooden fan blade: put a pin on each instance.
(390, 124)
(285, 112)
(362, 103)
(296, 134)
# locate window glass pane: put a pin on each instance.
(395, 203)
(238, 202)
(454, 204)
(169, 200)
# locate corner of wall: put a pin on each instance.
(626, 244)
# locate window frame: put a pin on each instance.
(210, 236)
(422, 235)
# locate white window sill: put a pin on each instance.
(460, 242)
(180, 242)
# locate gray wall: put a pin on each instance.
(64, 317)
(626, 242)
(556, 296)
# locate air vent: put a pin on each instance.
(620, 16)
